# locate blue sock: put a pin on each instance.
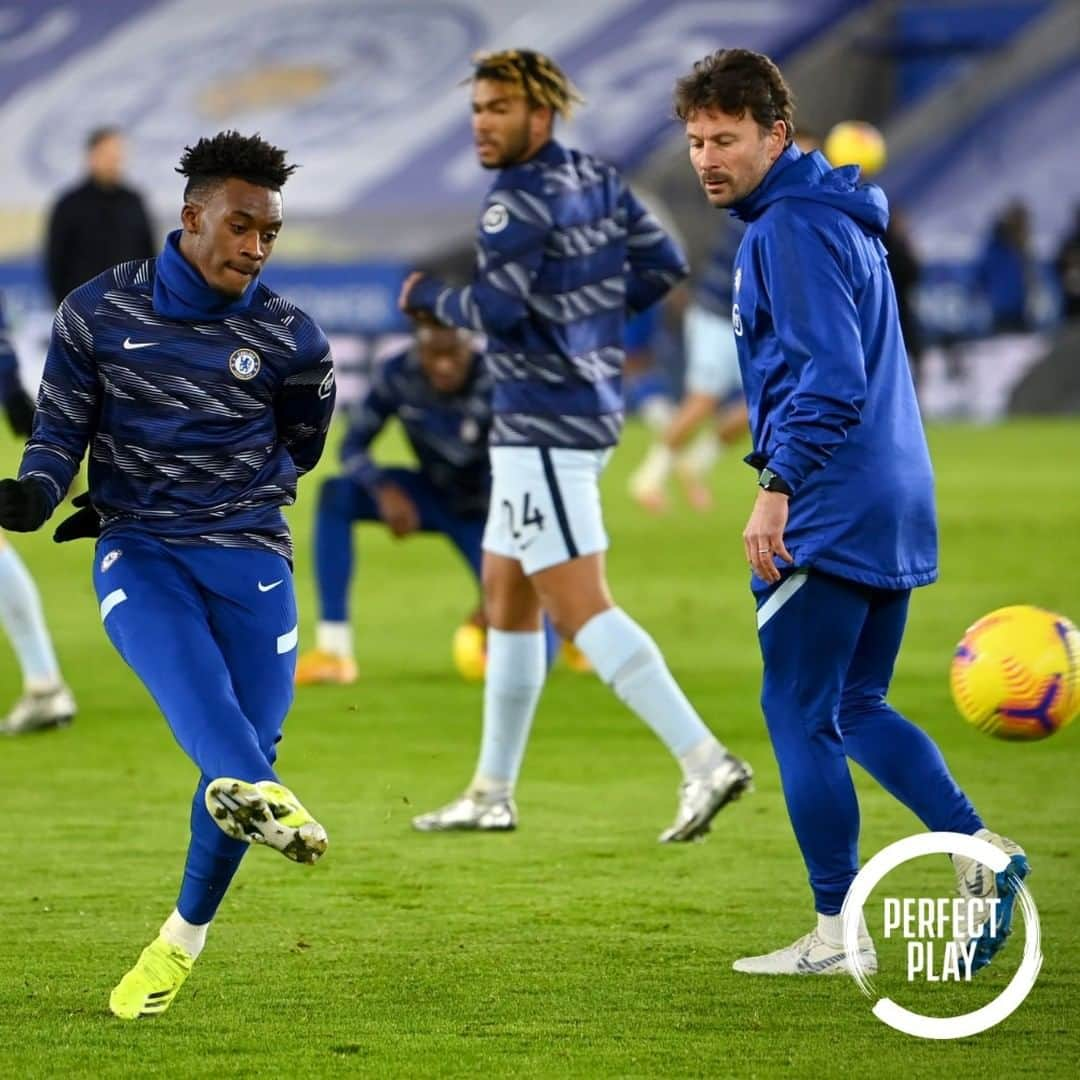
(212, 860)
(334, 548)
(24, 621)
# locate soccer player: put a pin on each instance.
(564, 251)
(843, 527)
(440, 391)
(202, 396)
(46, 701)
(712, 383)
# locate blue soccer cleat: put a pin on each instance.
(976, 882)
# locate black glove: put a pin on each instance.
(84, 522)
(19, 407)
(23, 505)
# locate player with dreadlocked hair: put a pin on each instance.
(202, 397)
(564, 251)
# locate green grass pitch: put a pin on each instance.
(576, 946)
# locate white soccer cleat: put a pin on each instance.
(37, 711)
(470, 813)
(810, 955)
(702, 798)
(976, 882)
(265, 813)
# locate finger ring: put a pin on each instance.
(763, 551)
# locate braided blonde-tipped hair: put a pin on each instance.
(537, 76)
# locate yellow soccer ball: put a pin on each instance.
(856, 143)
(470, 652)
(1016, 673)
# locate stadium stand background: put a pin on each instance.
(975, 97)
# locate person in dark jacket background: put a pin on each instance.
(98, 223)
(845, 498)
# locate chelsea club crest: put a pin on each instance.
(245, 363)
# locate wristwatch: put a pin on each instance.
(770, 481)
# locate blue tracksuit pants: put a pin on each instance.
(829, 647)
(211, 632)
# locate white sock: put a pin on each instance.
(703, 758)
(627, 659)
(656, 412)
(654, 470)
(515, 676)
(830, 929)
(335, 638)
(700, 456)
(24, 621)
(176, 930)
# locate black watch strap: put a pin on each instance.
(770, 481)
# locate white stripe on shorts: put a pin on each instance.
(780, 597)
(117, 596)
(288, 641)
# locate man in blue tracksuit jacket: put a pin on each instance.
(844, 525)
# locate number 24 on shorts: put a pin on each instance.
(530, 516)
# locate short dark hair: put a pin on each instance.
(212, 161)
(737, 81)
(538, 77)
(100, 134)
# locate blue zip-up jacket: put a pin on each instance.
(564, 250)
(200, 412)
(832, 405)
(448, 432)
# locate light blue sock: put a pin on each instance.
(516, 666)
(24, 621)
(627, 659)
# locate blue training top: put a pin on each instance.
(827, 380)
(563, 251)
(448, 432)
(200, 411)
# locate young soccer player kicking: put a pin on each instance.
(202, 396)
(843, 527)
(564, 251)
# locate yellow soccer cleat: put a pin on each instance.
(470, 652)
(575, 659)
(150, 986)
(319, 668)
(265, 813)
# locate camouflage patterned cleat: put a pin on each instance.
(266, 813)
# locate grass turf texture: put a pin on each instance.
(577, 946)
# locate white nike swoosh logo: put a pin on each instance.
(129, 344)
(272, 585)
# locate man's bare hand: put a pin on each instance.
(763, 537)
(397, 510)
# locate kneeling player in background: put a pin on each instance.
(46, 701)
(202, 396)
(441, 393)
